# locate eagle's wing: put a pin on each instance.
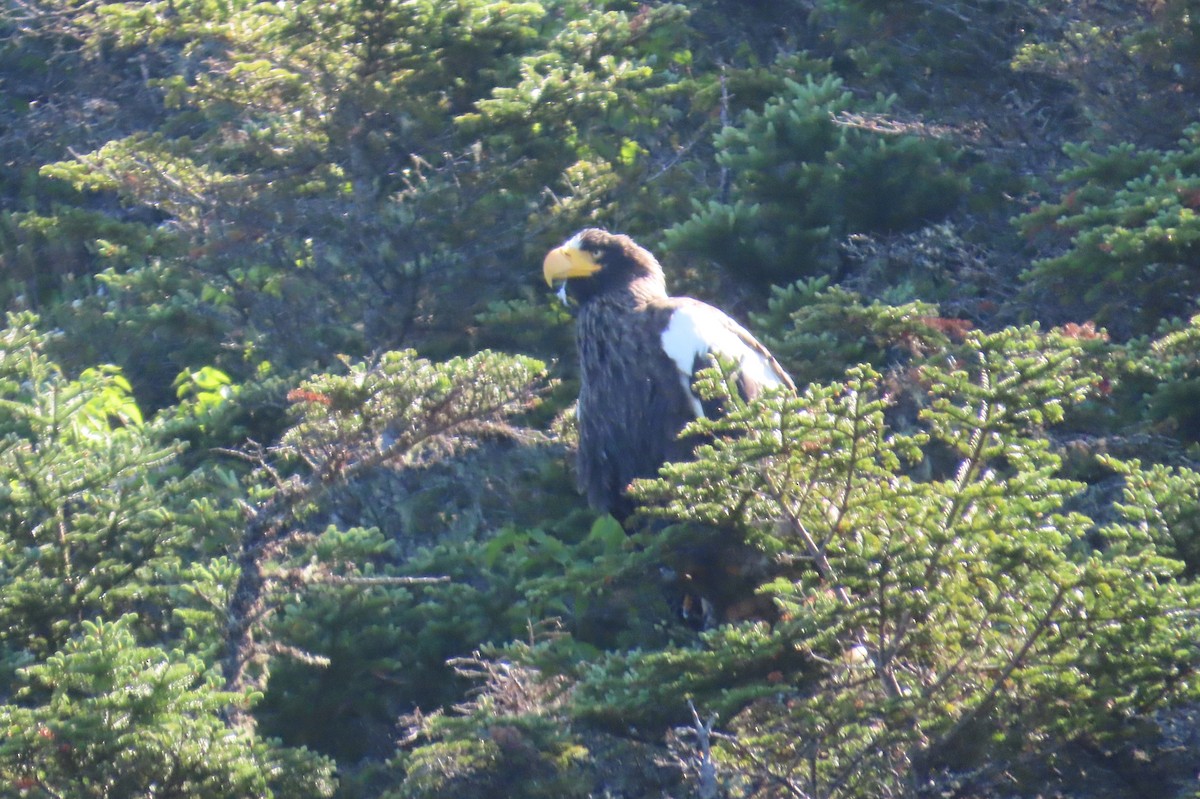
(696, 331)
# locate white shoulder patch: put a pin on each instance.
(696, 330)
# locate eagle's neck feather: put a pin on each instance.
(638, 293)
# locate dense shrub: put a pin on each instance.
(805, 172)
(1127, 232)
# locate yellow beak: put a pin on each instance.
(563, 263)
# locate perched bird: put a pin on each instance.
(639, 352)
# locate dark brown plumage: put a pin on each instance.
(639, 351)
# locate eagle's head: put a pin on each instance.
(594, 262)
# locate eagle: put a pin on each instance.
(639, 352)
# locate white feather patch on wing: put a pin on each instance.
(696, 330)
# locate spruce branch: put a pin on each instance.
(408, 405)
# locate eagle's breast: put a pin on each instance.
(632, 403)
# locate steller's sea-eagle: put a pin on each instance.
(639, 352)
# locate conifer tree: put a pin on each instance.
(806, 171)
(107, 687)
(92, 514)
(946, 619)
(935, 614)
(1123, 235)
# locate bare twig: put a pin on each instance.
(707, 768)
(892, 126)
(342, 579)
(723, 186)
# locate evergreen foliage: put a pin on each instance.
(398, 412)
(286, 504)
(1130, 218)
(806, 172)
(92, 517)
(1091, 51)
(819, 330)
(1172, 362)
(941, 628)
(124, 720)
(105, 626)
(916, 46)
